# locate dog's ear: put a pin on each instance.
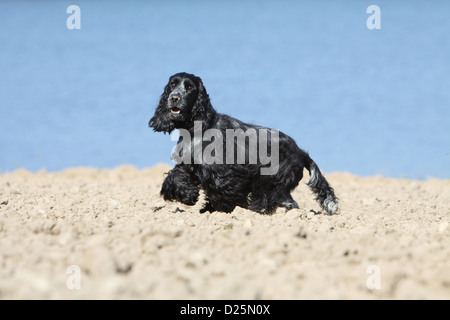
(160, 121)
(202, 105)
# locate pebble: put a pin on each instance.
(310, 214)
(196, 259)
(179, 222)
(116, 204)
(443, 226)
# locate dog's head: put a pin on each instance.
(184, 100)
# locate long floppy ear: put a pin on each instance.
(160, 121)
(202, 106)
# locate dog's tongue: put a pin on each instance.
(175, 110)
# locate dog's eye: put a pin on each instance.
(189, 87)
(173, 84)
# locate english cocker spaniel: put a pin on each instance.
(234, 163)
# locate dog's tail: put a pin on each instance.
(319, 185)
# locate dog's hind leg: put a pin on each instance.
(270, 192)
(289, 203)
(225, 195)
(217, 202)
(258, 202)
(268, 202)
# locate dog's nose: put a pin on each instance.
(175, 99)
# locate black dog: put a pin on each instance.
(185, 105)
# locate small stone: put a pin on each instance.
(443, 226)
(179, 222)
(228, 226)
(310, 214)
(301, 233)
(195, 260)
(116, 204)
(156, 208)
(248, 223)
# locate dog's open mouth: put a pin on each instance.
(175, 110)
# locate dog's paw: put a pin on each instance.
(207, 208)
(290, 205)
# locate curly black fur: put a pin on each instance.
(226, 186)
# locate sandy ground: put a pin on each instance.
(106, 234)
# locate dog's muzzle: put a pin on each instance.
(174, 103)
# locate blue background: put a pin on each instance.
(358, 100)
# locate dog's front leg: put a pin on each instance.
(180, 185)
